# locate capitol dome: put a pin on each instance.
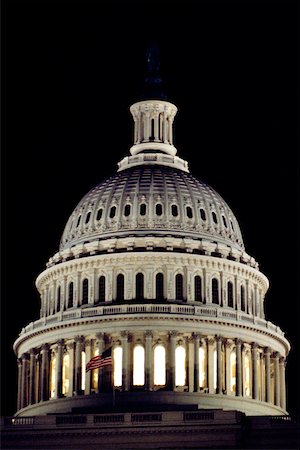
(152, 270)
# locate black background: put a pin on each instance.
(70, 71)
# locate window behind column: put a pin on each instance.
(117, 358)
(138, 365)
(180, 369)
(159, 365)
(66, 374)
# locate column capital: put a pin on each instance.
(124, 334)
(267, 351)
(70, 345)
(238, 341)
(219, 338)
(282, 360)
(88, 342)
(148, 334)
(60, 342)
(79, 339)
(45, 348)
(254, 346)
(173, 334)
(19, 361)
(32, 352)
(275, 355)
(211, 340)
(228, 343)
(196, 336)
(99, 336)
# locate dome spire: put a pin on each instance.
(153, 81)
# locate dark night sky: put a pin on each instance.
(70, 71)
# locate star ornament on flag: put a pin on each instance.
(105, 359)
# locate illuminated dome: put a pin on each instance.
(152, 268)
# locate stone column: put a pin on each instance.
(196, 338)
(24, 399)
(172, 349)
(239, 378)
(100, 344)
(211, 343)
(255, 371)
(70, 348)
(277, 378)
(32, 377)
(45, 373)
(59, 361)
(78, 364)
(125, 361)
(228, 347)
(88, 375)
(19, 383)
(148, 360)
(156, 118)
(282, 383)
(219, 364)
(268, 374)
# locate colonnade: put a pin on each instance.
(193, 363)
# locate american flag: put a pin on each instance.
(105, 359)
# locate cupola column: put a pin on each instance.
(255, 371)
(277, 379)
(100, 345)
(196, 338)
(59, 362)
(282, 383)
(88, 356)
(239, 380)
(24, 397)
(45, 372)
(228, 347)
(78, 363)
(219, 364)
(148, 360)
(125, 361)
(19, 383)
(268, 374)
(32, 377)
(172, 360)
(70, 348)
(210, 357)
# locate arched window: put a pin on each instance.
(127, 210)
(230, 294)
(99, 214)
(143, 209)
(139, 286)
(87, 217)
(83, 373)
(78, 221)
(52, 377)
(215, 291)
(247, 372)
(112, 212)
(180, 372)
(202, 214)
(58, 297)
(138, 365)
(214, 216)
(158, 209)
(159, 286)
(159, 365)
(198, 289)
(151, 137)
(85, 291)
(120, 287)
(102, 288)
(174, 210)
(179, 287)
(233, 372)
(189, 212)
(66, 374)
(231, 223)
(202, 368)
(70, 294)
(243, 305)
(224, 221)
(117, 357)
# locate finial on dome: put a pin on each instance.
(153, 82)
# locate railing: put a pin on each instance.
(203, 311)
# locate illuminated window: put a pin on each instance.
(189, 212)
(158, 209)
(85, 291)
(88, 216)
(202, 368)
(112, 212)
(139, 286)
(95, 373)
(66, 374)
(58, 298)
(247, 392)
(179, 287)
(214, 216)
(159, 365)
(202, 214)
(102, 289)
(233, 372)
(70, 295)
(138, 365)
(83, 364)
(127, 210)
(143, 209)
(52, 376)
(159, 285)
(99, 214)
(243, 306)
(230, 294)
(118, 354)
(120, 287)
(174, 210)
(198, 289)
(215, 368)
(215, 290)
(180, 366)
